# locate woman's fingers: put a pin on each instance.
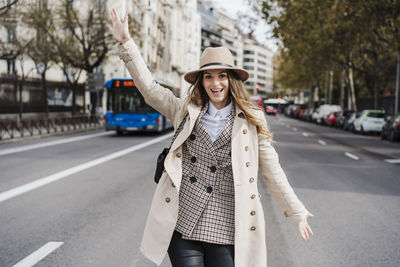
(309, 230)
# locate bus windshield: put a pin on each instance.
(127, 100)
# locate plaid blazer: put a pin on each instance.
(206, 199)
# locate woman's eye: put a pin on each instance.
(208, 77)
(222, 75)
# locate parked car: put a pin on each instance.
(323, 111)
(308, 114)
(370, 120)
(391, 128)
(270, 110)
(348, 125)
(290, 110)
(344, 116)
(330, 120)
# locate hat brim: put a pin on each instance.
(190, 77)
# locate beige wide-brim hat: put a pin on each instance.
(216, 58)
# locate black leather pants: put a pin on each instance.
(187, 253)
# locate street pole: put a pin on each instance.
(396, 100)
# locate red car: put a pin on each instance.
(332, 117)
(270, 110)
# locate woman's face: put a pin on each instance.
(216, 84)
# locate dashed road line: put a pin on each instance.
(295, 129)
(51, 143)
(322, 142)
(39, 254)
(393, 161)
(65, 173)
(305, 134)
(351, 156)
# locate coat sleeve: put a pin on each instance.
(276, 180)
(160, 98)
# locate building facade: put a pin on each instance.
(257, 60)
(218, 28)
(166, 31)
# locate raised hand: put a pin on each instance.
(305, 229)
(119, 29)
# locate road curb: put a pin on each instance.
(36, 137)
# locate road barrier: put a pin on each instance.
(10, 129)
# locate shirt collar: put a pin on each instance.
(224, 112)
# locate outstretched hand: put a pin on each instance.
(305, 229)
(119, 29)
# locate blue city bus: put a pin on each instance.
(127, 111)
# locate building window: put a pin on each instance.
(260, 77)
(248, 52)
(249, 83)
(262, 62)
(248, 60)
(261, 55)
(248, 67)
(261, 70)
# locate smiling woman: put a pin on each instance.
(206, 210)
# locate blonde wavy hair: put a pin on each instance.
(198, 96)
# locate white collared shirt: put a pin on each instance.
(214, 119)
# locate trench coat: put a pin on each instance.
(251, 152)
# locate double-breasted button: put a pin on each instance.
(193, 179)
(167, 200)
(252, 213)
(253, 196)
(253, 228)
(248, 164)
(172, 184)
(193, 159)
(246, 148)
(245, 131)
(251, 180)
(209, 189)
(192, 137)
(213, 169)
(178, 155)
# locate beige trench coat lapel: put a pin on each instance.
(173, 168)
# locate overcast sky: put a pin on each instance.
(263, 30)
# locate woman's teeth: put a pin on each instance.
(218, 90)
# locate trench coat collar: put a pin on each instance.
(194, 112)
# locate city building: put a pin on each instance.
(258, 61)
(167, 32)
(218, 28)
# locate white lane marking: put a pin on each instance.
(295, 129)
(51, 143)
(322, 142)
(39, 254)
(65, 173)
(287, 125)
(351, 156)
(305, 134)
(393, 160)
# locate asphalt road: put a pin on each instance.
(96, 188)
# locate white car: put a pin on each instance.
(323, 111)
(370, 120)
